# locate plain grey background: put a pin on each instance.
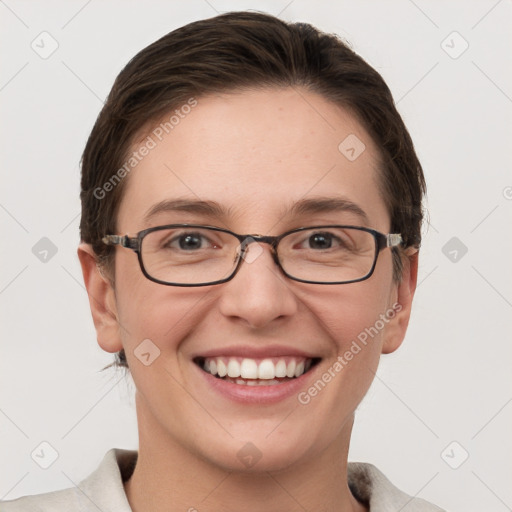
(438, 417)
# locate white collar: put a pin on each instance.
(104, 490)
(367, 483)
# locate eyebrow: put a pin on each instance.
(300, 208)
(207, 208)
(328, 205)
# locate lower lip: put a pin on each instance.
(259, 394)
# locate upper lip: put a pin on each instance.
(255, 352)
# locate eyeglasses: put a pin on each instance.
(195, 255)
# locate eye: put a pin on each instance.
(320, 241)
(191, 241)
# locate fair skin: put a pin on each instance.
(254, 153)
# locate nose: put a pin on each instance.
(259, 293)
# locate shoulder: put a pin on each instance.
(57, 501)
(372, 487)
(101, 490)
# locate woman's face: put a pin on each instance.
(255, 154)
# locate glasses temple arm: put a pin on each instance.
(124, 241)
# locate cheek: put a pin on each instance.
(148, 310)
(352, 319)
(356, 332)
(163, 315)
(351, 312)
(348, 316)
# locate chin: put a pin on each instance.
(258, 453)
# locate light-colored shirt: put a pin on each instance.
(103, 490)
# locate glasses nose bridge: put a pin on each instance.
(246, 240)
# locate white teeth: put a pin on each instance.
(266, 369)
(248, 369)
(281, 368)
(254, 382)
(290, 370)
(299, 369)
(253, 370)
(222, 371)
(233, 368)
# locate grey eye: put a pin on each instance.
(320, 241)
(190, 241)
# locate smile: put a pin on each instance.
(256, 372)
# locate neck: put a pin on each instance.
(169, 477)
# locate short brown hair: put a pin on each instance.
(234, 51)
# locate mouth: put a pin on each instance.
(269, 371)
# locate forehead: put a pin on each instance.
(255, 154)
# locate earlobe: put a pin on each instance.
(101, 300)
(395, 330)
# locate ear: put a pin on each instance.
(401, 303)
(101, 300)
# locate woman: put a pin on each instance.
(251, 215)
